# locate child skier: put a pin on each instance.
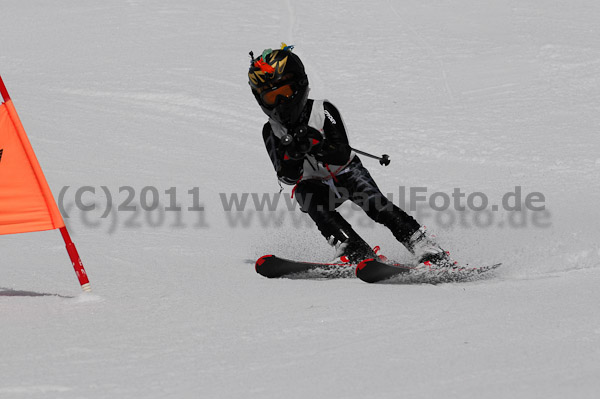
(308, 146)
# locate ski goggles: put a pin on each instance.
(275, 95)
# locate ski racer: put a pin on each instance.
(308, 145)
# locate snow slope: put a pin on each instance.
(481, 96)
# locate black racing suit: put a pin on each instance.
(320, 197)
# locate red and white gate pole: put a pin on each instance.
(76, 261)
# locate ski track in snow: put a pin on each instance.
(484, 97)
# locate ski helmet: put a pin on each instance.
(279, 84)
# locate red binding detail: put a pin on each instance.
(382, 258)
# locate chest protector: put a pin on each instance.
(314, 169)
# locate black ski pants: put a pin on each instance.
(320, 201)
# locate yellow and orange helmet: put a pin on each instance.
(279, 84)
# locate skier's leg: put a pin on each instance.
(363, 190)
(358, 185)
(316, 199)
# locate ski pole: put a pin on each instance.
(383, 160)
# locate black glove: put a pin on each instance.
(300, 141)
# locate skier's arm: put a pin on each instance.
(336, 149)
(288, 171)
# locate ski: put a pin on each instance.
(272, 266)
(374, 271)
(369, 270)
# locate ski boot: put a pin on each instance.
(352, 249)
(428, 252)
(380, 257)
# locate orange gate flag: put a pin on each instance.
(26, 202)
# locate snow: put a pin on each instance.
(481, 96)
